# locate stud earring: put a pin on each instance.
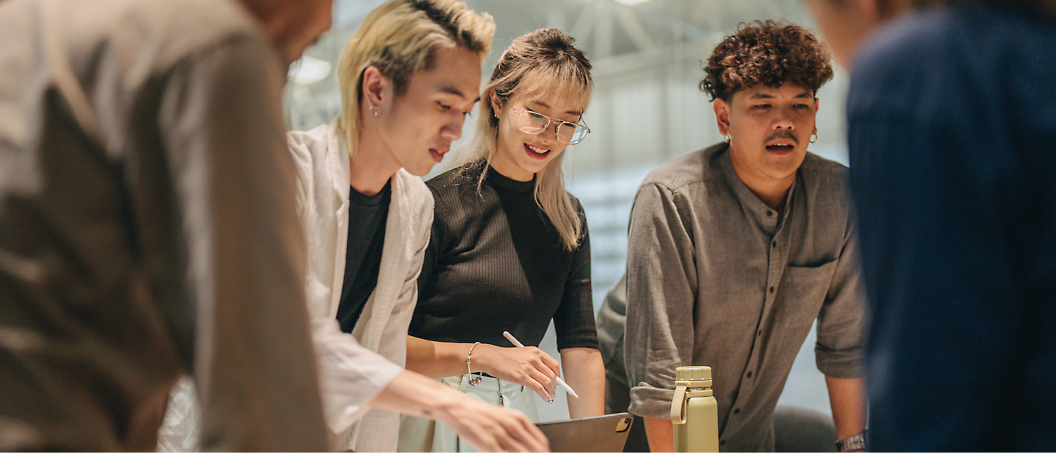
(373, 109)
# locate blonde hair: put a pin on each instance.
(543, 58)
(401, 38)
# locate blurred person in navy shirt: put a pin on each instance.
(951, 126)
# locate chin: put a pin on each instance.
(421, 169)
(539, 166)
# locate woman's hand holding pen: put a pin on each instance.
(528, 366)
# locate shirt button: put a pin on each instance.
(775, 244)
(749, 374)
(771, 289)
(722, 442)
(769, 213)
(736, 411)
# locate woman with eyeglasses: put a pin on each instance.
(509, 248)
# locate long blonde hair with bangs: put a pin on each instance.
(544, 57)
(401, 38)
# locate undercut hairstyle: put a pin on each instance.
(768, 53)
(401, 38)
(548, 61)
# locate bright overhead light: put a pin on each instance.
(309, 70)
(631, 2)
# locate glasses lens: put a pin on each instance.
(532, 123)
(577, 135)
(571, 133)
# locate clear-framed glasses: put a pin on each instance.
(534, 123)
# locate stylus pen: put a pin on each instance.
(560, 381)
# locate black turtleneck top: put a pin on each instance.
(495, 263)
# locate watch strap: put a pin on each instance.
(853, 443)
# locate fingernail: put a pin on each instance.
(551, 400)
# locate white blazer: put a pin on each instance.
(355, 367)
(351, 372)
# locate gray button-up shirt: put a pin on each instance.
(717, 278)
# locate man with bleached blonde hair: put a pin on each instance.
(408, 76)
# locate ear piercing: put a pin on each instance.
(373, 109)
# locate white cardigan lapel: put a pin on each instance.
(338, 160)
(391, 275)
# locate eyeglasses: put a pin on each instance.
(534, 123)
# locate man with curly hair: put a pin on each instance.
(735, 250)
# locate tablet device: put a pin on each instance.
(602, 433)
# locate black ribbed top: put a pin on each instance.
(495, 263)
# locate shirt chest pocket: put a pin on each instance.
(804, 290)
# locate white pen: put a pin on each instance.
(560, 381)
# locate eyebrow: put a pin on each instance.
(805, 94)
(544, 105)
(456, 92)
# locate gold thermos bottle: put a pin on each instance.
(694, 412)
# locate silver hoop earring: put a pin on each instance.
(815, 139)
(726, 138)
(373, 109)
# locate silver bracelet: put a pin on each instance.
(473, 380)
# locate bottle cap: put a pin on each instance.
(693, 373)
(690, 381)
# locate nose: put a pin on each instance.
(452, 129)
(784, 119)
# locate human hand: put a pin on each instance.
(528, 366)
(492, 428)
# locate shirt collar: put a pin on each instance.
(767, 218)
(507, 185)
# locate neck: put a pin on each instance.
(508, 168)
(774, 199)
(372, 166)
(772, 192)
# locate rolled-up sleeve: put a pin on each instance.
(351, 375)
(661, 287)
(838, 351)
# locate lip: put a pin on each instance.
(780, 149)
(438, 153)
(536, 155)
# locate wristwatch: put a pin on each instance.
(853, 443)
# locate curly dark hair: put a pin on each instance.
(769, 53)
